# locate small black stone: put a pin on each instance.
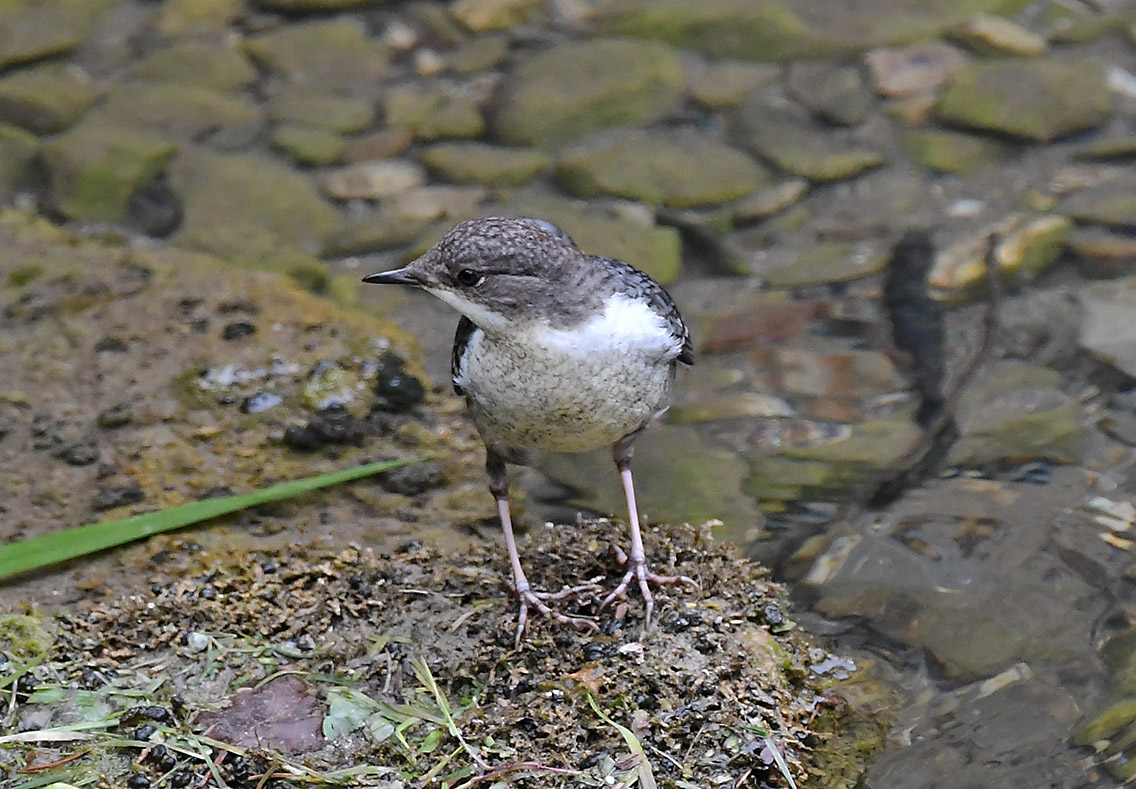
(145, 732)
(116, 416)
(155, 208)
(238, 330)
(138, 781)
(118, 496)
(413, 479)
(79, 453)
(397, 389)
(111, 344)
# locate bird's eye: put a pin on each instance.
(470, 277)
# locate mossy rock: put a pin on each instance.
(35, 29)
(951, 152)
(202, 64)
(93, 168)
(680, 172)
(18, 152)
(334, 52)
(1039, 100)
(571, 90)
(483, 164)
(183, 112)
(47, 99)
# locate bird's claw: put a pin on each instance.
(646, 578)
(539, 600)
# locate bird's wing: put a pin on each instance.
(642, 286)
(466, 329)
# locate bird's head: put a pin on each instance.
(496, 271)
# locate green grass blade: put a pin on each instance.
(47, 549)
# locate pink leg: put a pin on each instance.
(638, 559)
(530, 598)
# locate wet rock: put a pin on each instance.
(118, 496)
(951, 152)
(573, 89)
(249, 207)
(769, 200)
(428, 203)
(1110, 147)
(203, 64)
(396, 389)
(18, 152)
(987, 34)
(1112, 204)
(180, 112)
(35, 29)
(333, 426)
(835, 94)
(920, 69)
(1102, 253)
(483, 164)
(799, 371)
(824, 263)
(336, 53)
(379, 145)
(373, 180)
(750, 29)
(1107, 329)
(481, 15)
(238, 330)
(724, 85)
(1027, 245)
(309, 144)
(1016, 412)
(115, 416)
(480, 54)
(205, 18)
(870, 445)
(155, 209)
(93, 169)
(375, 232)
(679, 172)
(800, 148)
(334, 113)
(1040, 100)
(432, 113)
(47, 99)
(730, 406)
(414, 479)
(330, 385)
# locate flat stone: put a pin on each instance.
(726, 84)
(1118, 147)
(826, 263)
(919, 69)
(333, 113)
(571, 90)
(836, 94)
(481, 15)
(1007, 415)
(847, 374)
(379, 231)
(314, 5)
(46, 99)
(1102, 253)
(483, 164)
(1108, 331)
(769, 200)
(178, 19)
(19, 150)
(373, 180)
(250, 208)
(988, 35)
(431, 203)
(679, 172)
(1106, 205)
(480, 54)
(337, 52)
(802, 149)
(1028, 244)
(431, 113)
(1040, 100)
(203, 64)
(93, 168)
(310, 145)
(35, 29)
(950, 152)
(180, 111)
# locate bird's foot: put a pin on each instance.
(539, 600)
(638, 570)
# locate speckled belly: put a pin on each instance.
(562, 404)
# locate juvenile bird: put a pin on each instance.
(555, 350)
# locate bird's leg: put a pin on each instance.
(638, 559)
(530, 598)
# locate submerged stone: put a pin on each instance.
(333, 52)
(35, 29)
(202, 64)
(951, 152)
(802, 149)
(570, 90)
(1040, 100)
(46, 99)
(680, 172)
(484, 164)
(1107, 329)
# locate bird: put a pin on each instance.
(555, 350)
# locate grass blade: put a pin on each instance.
(47, 549)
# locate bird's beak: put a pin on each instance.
(399, 276)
